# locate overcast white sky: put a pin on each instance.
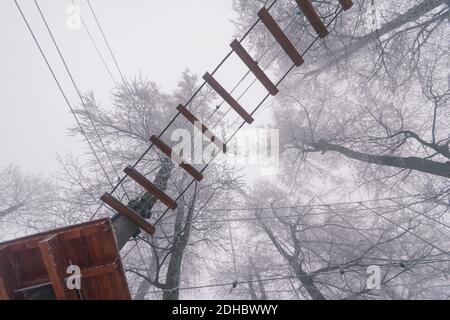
(159, 38)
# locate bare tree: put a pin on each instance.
(23, 201)
(140, 110)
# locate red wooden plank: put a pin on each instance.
(313, 17)
(8, 280)
(228, 98)
(30, 241)
(56, 263)
(254, 67)
(129, 213)
(96, 227)
(176, 158)
(96, 271)
(346, 4)
(4, 291)
(193, 119)
(281, 37)
(150, 187)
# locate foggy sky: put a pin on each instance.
(157, 38)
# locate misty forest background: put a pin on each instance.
(364, 169)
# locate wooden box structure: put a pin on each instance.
(42, 260)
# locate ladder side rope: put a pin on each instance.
(177, 115)
(255, 110)
(290, 50)
(264, 69)
(220, 144)
(245, 91)
(202, 127)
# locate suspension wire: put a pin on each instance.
(55, 78)
(427, 217)
(106, 41)
(399, 263)
(272, 217)
(94, 43)
(316, 206)
(129, 251)
(178, 113)
(78, 91)
(374, 245)
(269, 279)
(253, 112)
(408, 231)
(120, 180)
(323, 205)
(142, 258)
(236, 278)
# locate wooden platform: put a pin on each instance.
(42, 260)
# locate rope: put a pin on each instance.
(106, 41)
(233, 253)
(78, 91)
(253, 112)
(227, 284)
(60, 88)
(408, 231)
(94, 43)
(178, 113)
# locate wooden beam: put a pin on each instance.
(150, 187)
(228, 98)
(313, 17)
(208, 134)
(4, 292)
(254, 67)
(346, 4)
(129, 213)
(176, 158)
(99, 270)
(281, 37)
(8, 278)
(86, 231)
(52, 254)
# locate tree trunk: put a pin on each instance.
(308, 282)
(173, 274)
(412, 163)
(411, 15)
(124, 229)
(294, 262)
(145, 285)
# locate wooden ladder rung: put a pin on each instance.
(208, 134)
(280, 36)
(176, 158)
(150, 187)
(313, 17)
(129, 213)
(346, 4)
(227, 97)
(254, 67)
